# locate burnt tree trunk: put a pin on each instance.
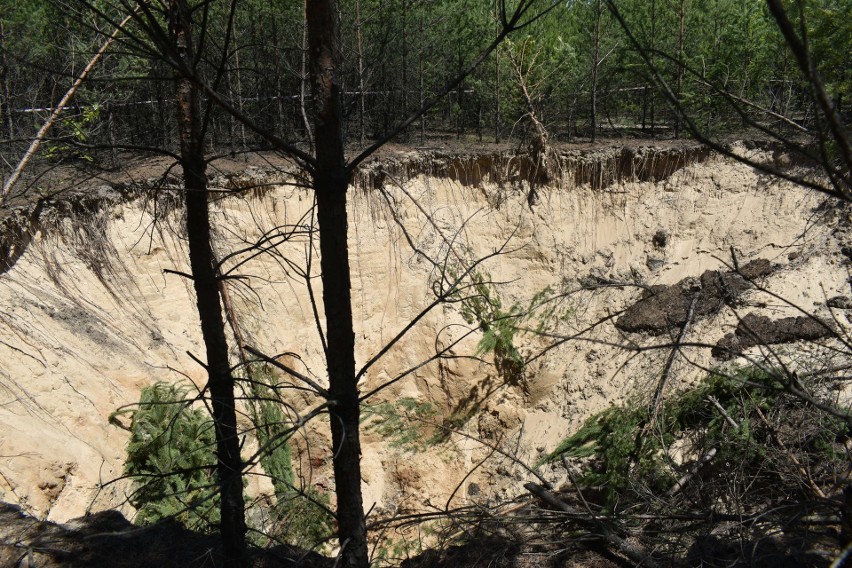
(331, 180)
(205, 280)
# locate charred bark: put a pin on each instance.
(331, 180)
(206, 283)
(340, 360)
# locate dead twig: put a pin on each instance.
(633, 552)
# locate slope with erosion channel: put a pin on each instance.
(94, 310)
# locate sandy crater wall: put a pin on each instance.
(89, 316)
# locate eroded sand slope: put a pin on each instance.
(90, 317)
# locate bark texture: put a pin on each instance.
(206, 283)
(331, 180)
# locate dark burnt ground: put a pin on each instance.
(108, 540)
(754, 329)
(665, 308)
(530, 534)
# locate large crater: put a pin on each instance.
(93, 310)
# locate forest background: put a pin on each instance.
(412, 72)
(575, 69)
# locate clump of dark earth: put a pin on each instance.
(663, 308)
(108, 540)
(754, 330)
(660, 239)
(839, 302)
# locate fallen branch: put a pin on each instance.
(802, 471)
(705, 459)
(667, 370)
(635, 553)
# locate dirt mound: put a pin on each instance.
(754, 329)
(666, 307)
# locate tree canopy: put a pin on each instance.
(396, 53)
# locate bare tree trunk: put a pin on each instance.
(239, 88)
(681, 63)
(6, 110)
(163, 126)
(404, 65)
(279, 89)
(459, 100)
(596, 41)
(361, 94)
(303, 81)
(232, 121)
(653, 42)
(206, 283)
(497, 79)
(113, 150)
(421, 79)
(331, 181)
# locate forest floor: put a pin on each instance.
(63, 179)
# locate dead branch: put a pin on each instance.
(633, 552)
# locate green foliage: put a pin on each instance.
(405, 423)
(625, 456)
(79, 128)
(299, 517)
(484, 307)
(271, 428)
(303, 519)
(828, 25)
(171, 456)
(733, 44)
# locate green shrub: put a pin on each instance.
(78, 127)
(405, 423)
(171, 457)
(299, 517)
(759, 427)
(271, 428)
(499, 326)
(481, 304)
